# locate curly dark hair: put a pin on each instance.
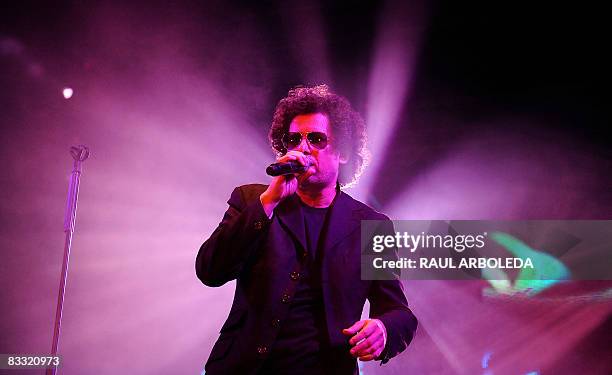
(348, 126)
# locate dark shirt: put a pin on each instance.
(298, 346)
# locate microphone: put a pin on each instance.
(289, 167)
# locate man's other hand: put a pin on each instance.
(368, 340)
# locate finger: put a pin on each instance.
(281, 180)
(380, 350)
(367, 347)
(288, 177)
(286, 157)
(310, 160)
(299, 156)
(303, 160)
(354, 328)
(368, 330)
(357, 340)
(291, 155)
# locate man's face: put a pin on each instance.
(328, 160)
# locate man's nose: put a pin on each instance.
(304, 146)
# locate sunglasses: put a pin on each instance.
(292, 140)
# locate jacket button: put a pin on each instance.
(258, 225)
(275, 323)
(294, 275)
(304, 254)
(262, 349)
(285, 298)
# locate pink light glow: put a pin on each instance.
(390, 80)
(67, 92)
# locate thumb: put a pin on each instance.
(354, 328)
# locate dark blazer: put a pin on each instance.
(262, 255)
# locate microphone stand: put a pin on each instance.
(79, 153)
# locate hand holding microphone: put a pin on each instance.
(290, 167)
(285, 182)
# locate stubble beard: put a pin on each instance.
(316, 182)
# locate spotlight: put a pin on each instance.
(67, 92)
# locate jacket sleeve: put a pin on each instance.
(388, 303)
(222, 257)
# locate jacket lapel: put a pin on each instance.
(290, 215)
(342, 221)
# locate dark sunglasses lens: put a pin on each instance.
(317, 139)
(292, 140)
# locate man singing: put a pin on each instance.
(294, 248)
